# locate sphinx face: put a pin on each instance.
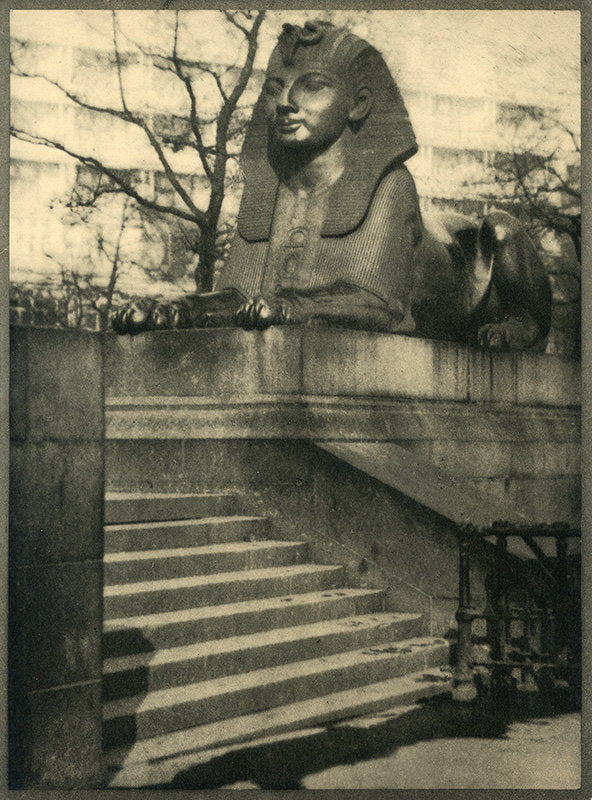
(305, 106)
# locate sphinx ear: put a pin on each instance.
(362, 104)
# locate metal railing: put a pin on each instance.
(532, 610)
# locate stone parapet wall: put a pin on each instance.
(230, 363)
(505, 423)
(55, 550)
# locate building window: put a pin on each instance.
(104, 60)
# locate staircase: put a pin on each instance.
(215, 633)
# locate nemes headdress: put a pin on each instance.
(381, 141)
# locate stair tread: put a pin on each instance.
(163, 698)
(172, 523)
(254, 640)
(230, 609)
(179, 552)
(114, 495)
(120, 589)
(158, 751)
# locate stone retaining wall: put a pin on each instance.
(55, 551)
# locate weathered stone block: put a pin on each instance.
(229, 363)
(55, 624)
(56, 384)
(491, 376)
(385, 527)
(541, 499)
(501, 459)
(547, 380)
(204, 465)
(56, 542)
(361, 363)
(219, 362)
(60, 748)
(56, 501)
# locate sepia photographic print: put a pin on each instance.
(295, 394)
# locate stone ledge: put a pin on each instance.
(228, 362)
(329, 417)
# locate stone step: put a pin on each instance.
(176, 628)
(201, 661)
(183, 533)
(182, 562)
(146, 597)
(152, 507)
(157, 760)
(167, 710)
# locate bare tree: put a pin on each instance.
(82, 295)
(537, 175)
(214, 137)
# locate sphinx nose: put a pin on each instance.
(286, 102)
(284, 109)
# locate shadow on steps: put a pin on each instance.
(125, 682)
(284, 764)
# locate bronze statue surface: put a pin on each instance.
(329, 229)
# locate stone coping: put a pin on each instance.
(334, 418)
(301, 361)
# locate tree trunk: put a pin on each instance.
(204, 273)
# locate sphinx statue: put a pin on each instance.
(330, 231)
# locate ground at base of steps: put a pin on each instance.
(433, 744)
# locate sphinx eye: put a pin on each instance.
(272, 86)
(314, 83)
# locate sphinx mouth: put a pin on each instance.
(288, 125)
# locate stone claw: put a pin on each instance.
(257, 314)
(148, 315)
(514, 333)
(133, 317)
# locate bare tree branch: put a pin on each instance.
(123, 115)
(564, 186)
(112, 174)
(226, 131)
(232, 18)
(127, 116)
(230, 106)
(201, 149)
(118, 61)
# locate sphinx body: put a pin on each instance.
(330, 231)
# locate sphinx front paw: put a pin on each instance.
(258, 314)
(146, 314)
(514, 333)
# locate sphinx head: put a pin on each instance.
(317, 86)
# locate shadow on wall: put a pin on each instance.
(285, 764)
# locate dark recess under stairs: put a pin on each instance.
(215, 633)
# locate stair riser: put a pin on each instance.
(124, 642)
(215, 532)
(154, 509)
(215, 594)
(203, 564)
(135, 681)
(139, 772)
(231, 704)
